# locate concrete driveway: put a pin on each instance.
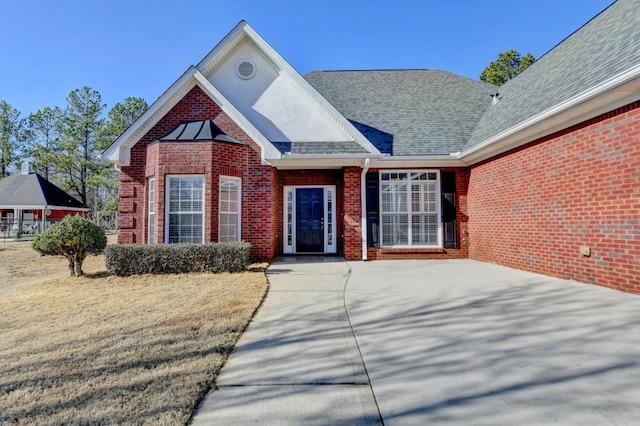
(430, 342)
(465, 342)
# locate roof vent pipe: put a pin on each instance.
(495, 98)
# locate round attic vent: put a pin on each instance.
(245, 69)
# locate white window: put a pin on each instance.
(229, 211)
(410, 208)
(151, 224)
(185, 213)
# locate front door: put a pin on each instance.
(309, 220)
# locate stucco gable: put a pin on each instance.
(273, 95)
(273, 104)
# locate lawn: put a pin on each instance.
(101, 349)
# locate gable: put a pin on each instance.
(271, 100)
(273, 105)
(275, 98)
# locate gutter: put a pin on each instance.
(363, 208)
(288, 155)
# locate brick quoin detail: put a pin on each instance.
(533, 207)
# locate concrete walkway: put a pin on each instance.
(298, 361)
(444, 343)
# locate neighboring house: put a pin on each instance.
(29, 204)
(390, 164)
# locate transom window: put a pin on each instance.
(229, 215)
(410, 208)
(185, 198)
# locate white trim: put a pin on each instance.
(417, 161)
(167, 210)
(487, 148)
(328, 248)
(239, 212)
(409, 212)
(151, 220)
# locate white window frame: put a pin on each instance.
(238, 213)
(330, 236)
(151, 211)
(409, 211)
(168, 203)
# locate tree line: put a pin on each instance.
(65, 144)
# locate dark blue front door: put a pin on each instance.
(309, 220)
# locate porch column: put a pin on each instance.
(352, 214)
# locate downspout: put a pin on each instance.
(363, 210)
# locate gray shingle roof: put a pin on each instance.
(407, 112)
(605, 46)
(33, 190)
(348, 147)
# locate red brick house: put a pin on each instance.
(541, 174)
(29, 204)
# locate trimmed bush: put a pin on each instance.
(136, 259)
(74, 238)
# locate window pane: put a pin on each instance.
(186, 209)
(424, 229)
(229, 209)
(395, 230)
(409, 207)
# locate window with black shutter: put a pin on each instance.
(373, 209)
(448, 191)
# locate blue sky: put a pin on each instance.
(138, 48)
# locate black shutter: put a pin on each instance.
(448, 192)
(373, 209)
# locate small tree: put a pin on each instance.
(74, 238)
(508, 65)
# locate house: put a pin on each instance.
(541, 174)
(29, 203)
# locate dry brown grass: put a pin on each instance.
(101, 349)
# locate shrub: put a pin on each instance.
(135, 259)
(74, 238)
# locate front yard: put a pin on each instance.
(101, 349)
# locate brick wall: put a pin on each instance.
(352, 214)
(211, 159)
(459, 252)
(533, 207)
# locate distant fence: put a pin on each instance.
(26, 228)
(107, 220)
(15, 228)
